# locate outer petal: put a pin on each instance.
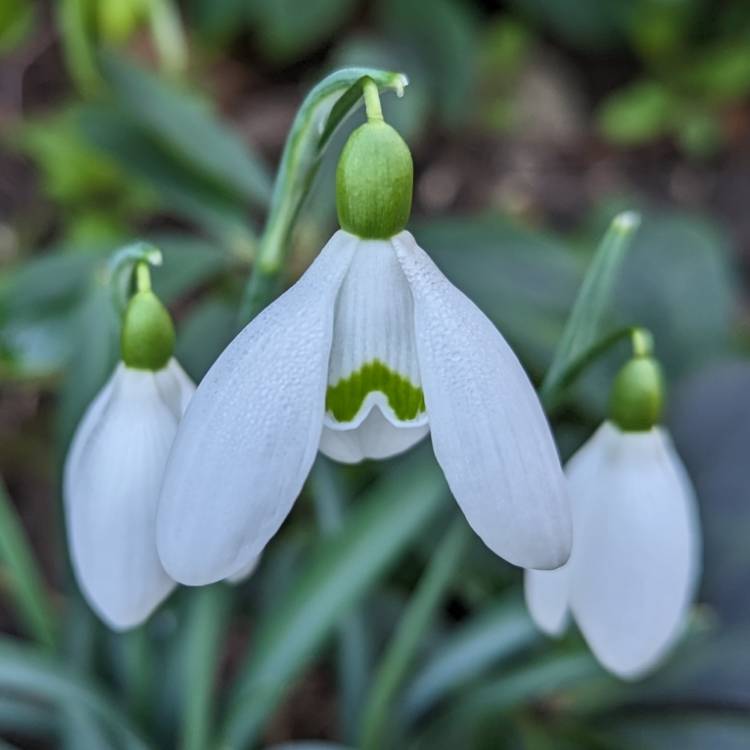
(251, 431)
(637, 556)
(244, 572)
(548, 591)
(175, 386)
(112, 478)
(376, 437)
(489, 432)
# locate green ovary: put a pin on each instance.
(345, 399)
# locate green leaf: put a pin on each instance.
(523, 280)
(19, 717)
(402, 648)
(26, 584)
(586, 323)
(474, 647)
(287, 29)
(327, 105)
(28, 673)
(178, 185)
(187, 129)
(342, 569)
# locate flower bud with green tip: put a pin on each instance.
(114, 468)
(148, 339)
(635, 566)
(374, 177)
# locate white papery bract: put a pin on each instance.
(635, 563)
(368, 352)
(112, 479)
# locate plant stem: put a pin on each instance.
(404, 644)
(372, 100)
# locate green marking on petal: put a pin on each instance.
(345, 399)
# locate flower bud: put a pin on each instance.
(147, 340)
(374, 182)
(637, 395)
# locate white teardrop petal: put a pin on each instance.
(111, 483)
(547, 592)
(175, 386)
(252, 430)
(636, 556)
(376, 437)
(489, 432)
(244, 572)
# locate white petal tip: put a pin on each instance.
(626, 222)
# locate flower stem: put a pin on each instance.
(372, 100)
(142, 277)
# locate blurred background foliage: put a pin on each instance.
(532, 123)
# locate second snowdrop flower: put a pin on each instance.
(115, 465)
(635, 563)
(368, 352)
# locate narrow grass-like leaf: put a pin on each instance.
(585, 325)
(187, 128)
(23, 575)
(26, 672)
(472, 649)
(403, 647)
(342, 569)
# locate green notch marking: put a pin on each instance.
(345, 399)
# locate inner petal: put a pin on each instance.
(374, 402)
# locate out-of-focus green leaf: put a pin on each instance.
(474, 647)
(586, 323)
(342, 569)
(709, 417)
(203, 334)
(674, 259)
(686, 730)
(721, 73)
(25, 672)
(24, 718)
(187, 129)
(17, 19)
(591, 24)
(309, 746)
(443, 33)
(179, 187)
(286, 29)
(523, 280)
(24, 577)
(637, 114)
(409, 635)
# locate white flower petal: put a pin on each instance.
(547, 592)
(637, 554)
(175, 386)
(376, 437)
(489, 432)
(251, 431)
(374, 353)
(111, 484)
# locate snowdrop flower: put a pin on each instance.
(635, 563)
(368, 352)
(114, 468)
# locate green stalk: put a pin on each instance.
(407, 639)
(26, 584)
(206, 625)
(323, 110)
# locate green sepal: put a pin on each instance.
(374, 182)
(637, 398)
(148, 339)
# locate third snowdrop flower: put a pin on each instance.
(368, 352)
(114, 469)
(635, 563)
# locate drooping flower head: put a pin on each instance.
(114, 468)
(634, 569)
(371, 350)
